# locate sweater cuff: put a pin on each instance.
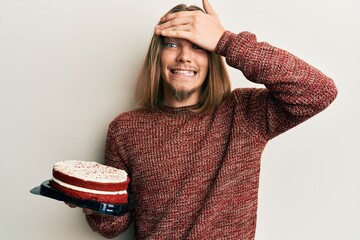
(224, 43)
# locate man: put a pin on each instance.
(193, 147)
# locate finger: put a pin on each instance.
(87, 211)
(71, 205)
(177, 21)
(174, 28)
(183, 34)
(208, 8)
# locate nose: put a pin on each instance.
(185, 54)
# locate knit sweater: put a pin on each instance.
(196, 176)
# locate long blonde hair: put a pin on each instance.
(149, 89)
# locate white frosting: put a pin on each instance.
(91, 171)
(76, 188)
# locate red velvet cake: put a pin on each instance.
(90, 181)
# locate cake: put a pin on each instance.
(86, 180)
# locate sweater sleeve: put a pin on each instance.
(110, 226)
(295, 90)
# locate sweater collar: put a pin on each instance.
(186, 110)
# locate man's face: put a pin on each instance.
(184, 67)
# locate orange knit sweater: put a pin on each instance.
(196, 176)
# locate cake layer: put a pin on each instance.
(90, 171)
(81, 189)
(91, 184)
(105, 198)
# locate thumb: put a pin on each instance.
(208, 8)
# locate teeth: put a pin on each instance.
(184, 72)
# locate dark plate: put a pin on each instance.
(105, 208)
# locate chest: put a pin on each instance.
(166, 150)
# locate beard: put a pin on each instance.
(181, 95)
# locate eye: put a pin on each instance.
(170, 45)
(197, 47)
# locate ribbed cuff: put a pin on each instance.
(224, 43)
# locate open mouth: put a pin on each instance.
(186, 73)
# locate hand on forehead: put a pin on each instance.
(202, 29)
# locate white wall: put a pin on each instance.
(67, 68)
